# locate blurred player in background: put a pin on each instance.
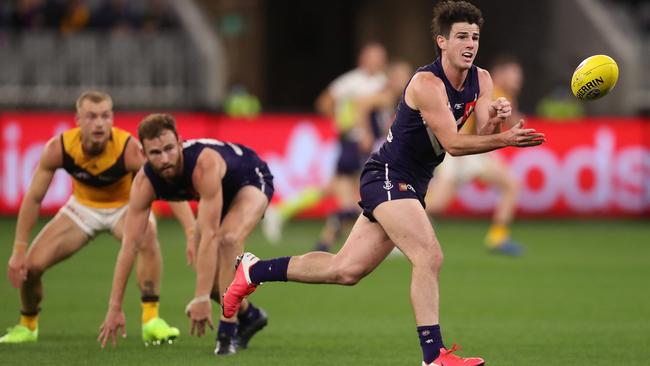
(338, 101)
(395, 179)
(488, 168)
(233, 187)
(376, 112)
(373, 115)
(101, 159)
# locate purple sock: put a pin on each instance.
(430, 341)
(272, 270)
(226, 330)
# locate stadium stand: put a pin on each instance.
(135, 50)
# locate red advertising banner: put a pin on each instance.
(23, 135)
(592, 167)
(300, 149)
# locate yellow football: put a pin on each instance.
(594, 77)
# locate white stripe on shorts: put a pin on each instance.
(387, 183)
(259, 174)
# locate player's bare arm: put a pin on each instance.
(137, 218)
(427, 94)
(490, 114)
(325, 103)
(51, 160)
(134, 159)
(210, 169)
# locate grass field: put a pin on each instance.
(580, 296)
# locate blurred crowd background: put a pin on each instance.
(268, 74)
(210, 62)
(193, 54)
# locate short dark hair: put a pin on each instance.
(155, 124)
(448, 12)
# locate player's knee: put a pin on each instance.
(348, 278)
(34, 270)
(228, 240)
(350, 275)
(437, 259)
(430, 257)
(433, 261)
(149, 243)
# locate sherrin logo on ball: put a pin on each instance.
(594, 77)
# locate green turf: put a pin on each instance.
(579, 296)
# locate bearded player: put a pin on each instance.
(102, 160)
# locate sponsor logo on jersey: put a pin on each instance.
(403, 187)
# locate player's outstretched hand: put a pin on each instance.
(112, 325)
(523, 137)
(16, 269)
(200, 314)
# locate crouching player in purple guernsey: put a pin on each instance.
(394, 182)
(233, 187)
